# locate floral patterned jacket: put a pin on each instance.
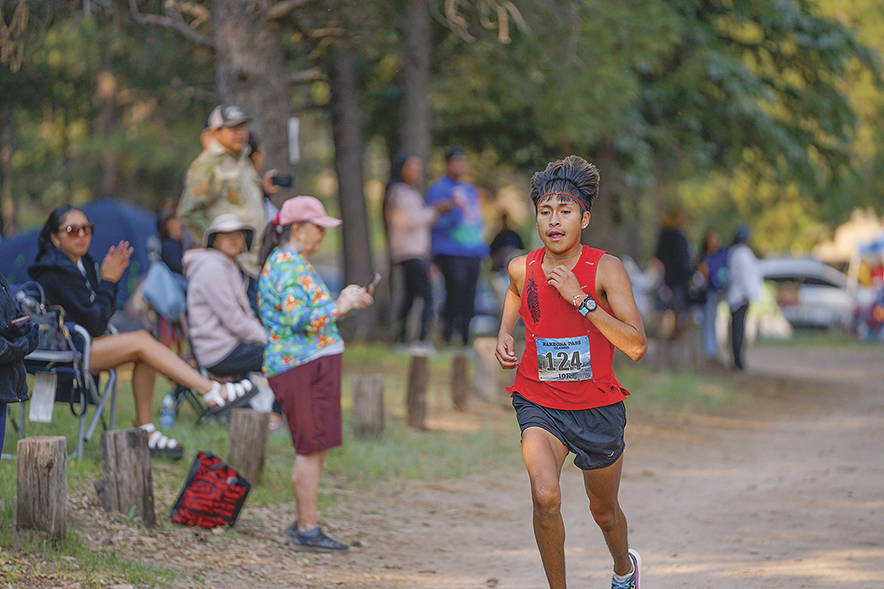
(297, 311)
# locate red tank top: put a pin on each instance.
(567, 360)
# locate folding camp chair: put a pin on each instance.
(68, 369)
(165, 294)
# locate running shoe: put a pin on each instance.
(318, 542)
(633, 581)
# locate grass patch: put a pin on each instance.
(679, 392)
(816, 338)
(29, 556)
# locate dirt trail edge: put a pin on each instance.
(785, 491)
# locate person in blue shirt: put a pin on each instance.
(458, 244)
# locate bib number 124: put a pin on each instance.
(563, 359)
(561, 362)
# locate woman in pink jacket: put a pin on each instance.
(408, 220)
(227, 337)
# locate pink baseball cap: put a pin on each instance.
(305, 208)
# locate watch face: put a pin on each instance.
(589, 304)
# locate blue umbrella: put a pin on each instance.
(114, 221)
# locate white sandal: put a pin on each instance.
(161, 445)
(238, 394)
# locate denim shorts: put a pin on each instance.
(595, 435)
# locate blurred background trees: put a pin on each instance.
(759, 111)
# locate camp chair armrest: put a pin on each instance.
(52, 356)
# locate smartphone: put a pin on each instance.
(18, 321)
(373, 282)
(283, 180)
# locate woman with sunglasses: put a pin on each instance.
(87, 292)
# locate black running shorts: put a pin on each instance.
(595, 435)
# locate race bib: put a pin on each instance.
(561, 359)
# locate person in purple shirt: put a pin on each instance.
(458, 244)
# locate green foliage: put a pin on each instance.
(767, 111)
(567, 83)
(743, 101)
(758, 78)
(102, 105)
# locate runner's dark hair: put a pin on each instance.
(572, 175)
(44, 239)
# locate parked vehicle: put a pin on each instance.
(811, 293)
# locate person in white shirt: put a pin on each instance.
(745, 286)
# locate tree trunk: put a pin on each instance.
(250, 72)
(603, 231)
(416, 394)
(368, 404)
(460, 382)
(42, 485)
(127, 486)
(248, 443)
(107, 98)
(415, 125)
(346, 121)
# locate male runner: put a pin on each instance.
(576, 303)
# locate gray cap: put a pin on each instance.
(226, 115)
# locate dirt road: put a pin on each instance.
(787, 494)
(785, 491)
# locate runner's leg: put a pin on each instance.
(544, 456)
(602, 487)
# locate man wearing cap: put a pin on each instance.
(223, 180)
(458, 244)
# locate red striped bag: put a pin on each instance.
(213, 494)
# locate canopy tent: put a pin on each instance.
(114, 221)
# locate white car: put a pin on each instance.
(809, 292)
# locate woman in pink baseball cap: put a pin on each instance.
(302, 359)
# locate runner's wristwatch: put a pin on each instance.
(587, 306)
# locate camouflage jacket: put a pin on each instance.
(218, 183)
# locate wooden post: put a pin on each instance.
(487, 369)
(249, 430)
(416, 396)
(460, 384)
(368, 404)
(125, 465)
(43, 485)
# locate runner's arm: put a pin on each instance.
(625, 328)
(506, 345)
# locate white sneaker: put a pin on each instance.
(633, 581)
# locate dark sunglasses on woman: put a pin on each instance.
(77, 230)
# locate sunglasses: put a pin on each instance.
(77, 230)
